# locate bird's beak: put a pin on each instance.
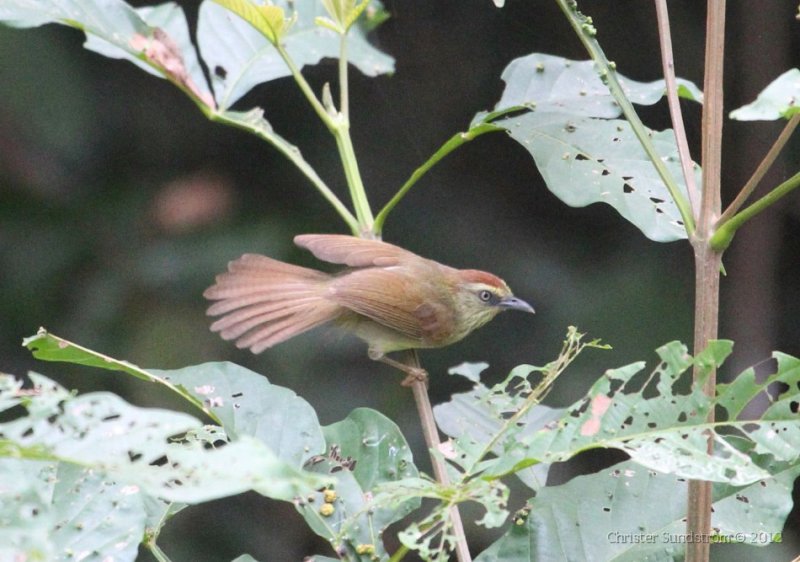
(513, 303)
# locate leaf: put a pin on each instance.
(551, 84)
(666, 430)
(473, 418)
(600, 517)
(233, 396)
(239, 57)
(584, 154)
(266, 19)
(246, 404)
(585, 161)
(364, 451)
(26, 521)
(780, 99)
(156, 39)
(137, 446)
(95, 517)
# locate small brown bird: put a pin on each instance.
(389, 297)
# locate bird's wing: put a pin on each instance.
(396, 300)
(352, 251)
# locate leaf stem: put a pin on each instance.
(306, 88)
(449, 146)
(668, 62)
(253, 122)
(344, 88)
(399, 554)
(724, 234)
(761, 170)
(157, 553)
(586, 33)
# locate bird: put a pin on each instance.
(387, 296)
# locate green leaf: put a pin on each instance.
(473, 418)
(268, 20)
(102, 432)
(155, 38)
(666, 430)
(585, 160)
(551, 84)
(239, 57)
(26, 521)
(96, 517)
(49, 347)
(246, 404)
(364, 451)
(600, 517)
(781, 99)
(584, 154)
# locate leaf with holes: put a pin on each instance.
(779, 100)
(231, 395)
(585, 160)
(551, 84)
(662, 428)
(364, 451)
(138, 446)
(240, 57)
(604, 510)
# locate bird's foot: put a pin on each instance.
(413, 374)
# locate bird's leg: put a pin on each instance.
(413, 373)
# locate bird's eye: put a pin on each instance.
(485, 295)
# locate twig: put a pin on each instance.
(707, 261)
(761, 170)
(431, 433)
(668, 62)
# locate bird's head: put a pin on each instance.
(480, 296)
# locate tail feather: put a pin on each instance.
(262, 302)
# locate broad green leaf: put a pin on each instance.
(585, 160)
(242, 401)
(364, 451)
(155, 38)
(26, 520)
(266, 19)
(49, 347)
(96, 518)
(128, 444)
(474, 418)
(584, 153)
(239, 57)
(551, 84)
(665, 429)
(246, 403)
(600, 517)
(779, 100)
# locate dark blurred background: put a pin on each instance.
(119, 203)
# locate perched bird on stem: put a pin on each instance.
(389, 297)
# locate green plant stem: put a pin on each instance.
(452, 143)
(339, 126)
(344, 88)
(761, 170)
(586, 33)
(157, 553)
(294, 155)
(724, 234)
(668, 63)
(400, 553)
(707, 260)
(306, 88)
(357, 192)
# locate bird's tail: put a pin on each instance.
(264, 302)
